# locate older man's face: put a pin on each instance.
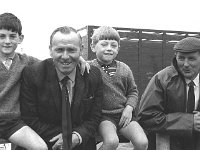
(189, 64)
(65, 51)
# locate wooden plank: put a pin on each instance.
(162, 142)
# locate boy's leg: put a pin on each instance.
(27, 138)
(136, 135)
(107, 130)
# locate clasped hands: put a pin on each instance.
(59, 141)
(196, 121)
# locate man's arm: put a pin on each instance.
(88, 128)
(29, 109)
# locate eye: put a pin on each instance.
(104, 44)
(2, 36)
(13, 36)
(59, 50)
(180, 58)
(114, 45)
(191, 58)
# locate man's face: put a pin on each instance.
(189, 64)
(8, 42)
(106, 50)
(65, 51)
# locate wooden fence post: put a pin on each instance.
(162, 142)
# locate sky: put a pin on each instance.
(40, 17)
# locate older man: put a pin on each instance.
(170, 102)
(60, 104)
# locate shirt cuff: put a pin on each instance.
(79, 136)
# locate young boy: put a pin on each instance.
(11, 66)
(120, 92)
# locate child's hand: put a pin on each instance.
(83, 65)
(126, 116)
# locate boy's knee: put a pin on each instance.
(40, 147)
(112, 142)
(142, 144)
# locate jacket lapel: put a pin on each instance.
(78, 94)
(198, 107)
(54, 84)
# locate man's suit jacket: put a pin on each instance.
(40, 101)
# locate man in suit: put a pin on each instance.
(170, 102)
(41, 95)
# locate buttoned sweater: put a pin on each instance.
(119, 90)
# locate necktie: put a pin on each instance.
(66, 116)
(191, 98)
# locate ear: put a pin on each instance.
(21, 38)
(50, 50)
(92, 47)
(81, 49)
(118, 48)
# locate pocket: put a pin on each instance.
(89, 100)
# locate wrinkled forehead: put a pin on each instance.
(66, 39)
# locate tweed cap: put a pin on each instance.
(189, 44)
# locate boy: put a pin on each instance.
(11, 66)
(120, 92)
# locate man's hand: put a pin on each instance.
(126, 116)
(197, 121)
(58, 141)
(83, 65)
(75, 140)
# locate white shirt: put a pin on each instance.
(196, 89)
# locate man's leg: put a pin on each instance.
(27, 138)
(135, 133)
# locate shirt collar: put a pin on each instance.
(112, 64)
(196, 80)
(11, 57)
(71, 76)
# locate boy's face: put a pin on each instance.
(106, 50)
(8, 42)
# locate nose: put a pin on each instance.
(186, 64)
(65, 55)
(7, 40)
(109, 47)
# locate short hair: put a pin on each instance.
(9, 21)
(105, 33)
(65, 30)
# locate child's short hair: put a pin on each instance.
(9, 21)
(105, 33)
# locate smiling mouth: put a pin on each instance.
(108, 54)
(7, 46)
(66, 63)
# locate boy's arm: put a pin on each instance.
(132, 91)
(83, 65)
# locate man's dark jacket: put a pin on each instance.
(40, 101)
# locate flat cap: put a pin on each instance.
(189, 44)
